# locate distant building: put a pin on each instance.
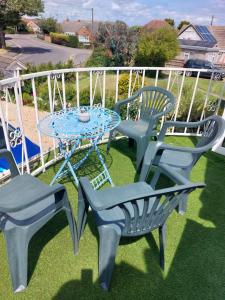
(32, 25)
(202, 42)
(82, 29)
(156, 24)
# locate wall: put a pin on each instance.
(190, 34)
(211, 56)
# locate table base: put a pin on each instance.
(96, 182)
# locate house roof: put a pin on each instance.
(27, 20)
(75, 26)
(203, 32)
(219, 33)
(156, 24)
(194, 43)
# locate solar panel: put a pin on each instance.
(205, 33)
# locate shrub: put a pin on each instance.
(156, 48)
(64, 40)
(99, 58)
(73, 41)
(49, 25)
(59, 38)
(27, 99)
(10, 30)
(197, 107)
(124, 84)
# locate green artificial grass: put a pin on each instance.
(195, 252)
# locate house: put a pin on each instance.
(85, 30)
(32, 25)
(156, 24)
(202, 42)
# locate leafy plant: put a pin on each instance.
(99, 58)
(64, 40)
(11, 12)
(124, 84)
(48, 25)
(119, 40)
(156, 48)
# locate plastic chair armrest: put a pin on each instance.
(152, 194)
(124, 102)
(177, 124)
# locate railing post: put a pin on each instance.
(19, 101)
(77, 88)
(51, 105)
(192, 100)
(117, 84)
(37, 121)
(179, 98)
(91, 88)
(3, 121)
(64, 90)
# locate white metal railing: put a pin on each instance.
(57, 89)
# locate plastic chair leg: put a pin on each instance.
(141, 148)
(109, 141)
(82, 214)
(72, 226)
(182, 206)
(17, 250)
(162, 245)
(109, 241)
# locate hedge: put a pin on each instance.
(64, 40)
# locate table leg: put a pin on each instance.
(67, 157)
(98, 180)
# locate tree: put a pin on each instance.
(182, 23)
(156, 48)
(49, 25)
(11, 12)
(171, 22)
(119, 41)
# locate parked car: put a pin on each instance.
(218, 73)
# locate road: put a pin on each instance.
(36, 51)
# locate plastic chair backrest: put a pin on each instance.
(140, 221)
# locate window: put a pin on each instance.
(186, 55)
(69, 33)
(83, 39)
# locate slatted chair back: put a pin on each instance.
(139, 221)
(155, 101)
(212, 130)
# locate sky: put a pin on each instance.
(138, 12)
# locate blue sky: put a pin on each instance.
(138, 12)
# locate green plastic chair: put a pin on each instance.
(131, 210)
(26, 205)
(181, 159)
(154, 103)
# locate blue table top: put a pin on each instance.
(65, 124)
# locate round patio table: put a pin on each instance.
(70, 126)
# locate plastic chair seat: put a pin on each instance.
(30, 212)
(133, 128)
(176, 159)
(21, 192)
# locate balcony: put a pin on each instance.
(195, 244)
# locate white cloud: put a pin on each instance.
(134, 11)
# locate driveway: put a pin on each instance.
(36, 51)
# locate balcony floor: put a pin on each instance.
(195, 253)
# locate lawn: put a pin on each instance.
(195, 253)
(203, 83)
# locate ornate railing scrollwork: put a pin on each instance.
(15, 137)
